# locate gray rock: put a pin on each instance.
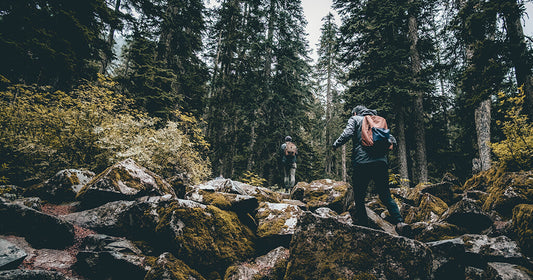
(21, 274)
(481, 249)
(168, 267)
(269, 266)
(323, 248)
(63, 186)
(125, 180)
(448, 259)
(41, 230)
(135, 219)
(276, 223)
(468, 214)
(11, 256)
(322, 193)
(505, 271)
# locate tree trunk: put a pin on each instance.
(402, 148)
(482, 119)
(519, 54)
(420, 134)
(106, 59)
(344, 172)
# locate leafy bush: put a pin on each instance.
(253, 179)
(43, 131)
(516, 151)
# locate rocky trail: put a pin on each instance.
(129, 223)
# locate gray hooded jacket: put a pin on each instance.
(360, 153)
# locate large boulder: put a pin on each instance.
(505, 271)
(508, 190)
(324, 248)
(11, 256)
(126, 180)
(448, 259)
(22, 274)
(481, 249)
(133, 219)
(41, 230)
(276, 224)
(206, 238)
(107, 257)
(322, 193)
(62, 187)
(226, 201)
(235, 187)
(429, 210)
(523, 227)
(428, 232)
(269, 266)
(168, 267)
(469, 215)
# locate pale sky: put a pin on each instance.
(315, 10)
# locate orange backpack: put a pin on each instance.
(290, 149)
(375, 133)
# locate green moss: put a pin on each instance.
(523, 227)
(73, 179)
(216, 199)
(275, 225)
(209, 237)
(507, 190)
(177, 269)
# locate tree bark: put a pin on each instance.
(344, 172)
(519, 54)
(106, 59)
(420, 134)
(482, 119)
(402, 148)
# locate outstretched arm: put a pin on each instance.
(346, 134)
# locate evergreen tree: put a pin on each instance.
(329, 73)
(50, 42)
(163, 71)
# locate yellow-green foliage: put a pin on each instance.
(173, 269)
(165, 151)
(208, 238)
(43, 131)
(523, 225)
(253, 179)
(516, 151)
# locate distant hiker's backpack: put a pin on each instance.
(290, 149)
(375, 133)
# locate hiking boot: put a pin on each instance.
(403, 229)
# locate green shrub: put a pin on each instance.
(516, 151)
(43, 131)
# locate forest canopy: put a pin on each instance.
(196, 92)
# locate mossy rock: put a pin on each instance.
(322, 193)
(429, 210)
(482, 180)
(277, 219)
(206, 238)
(62, 187)
(323, 248)
(469, 215)
(429, 232)
(271, 266)
(169, 267)
(123, 181)
(508, 190)
(523, 227)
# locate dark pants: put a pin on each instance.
(379, 173)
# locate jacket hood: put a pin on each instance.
(366, 112)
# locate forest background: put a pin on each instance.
(197, 90)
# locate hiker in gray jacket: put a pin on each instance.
(288, 162)
(367, 166)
